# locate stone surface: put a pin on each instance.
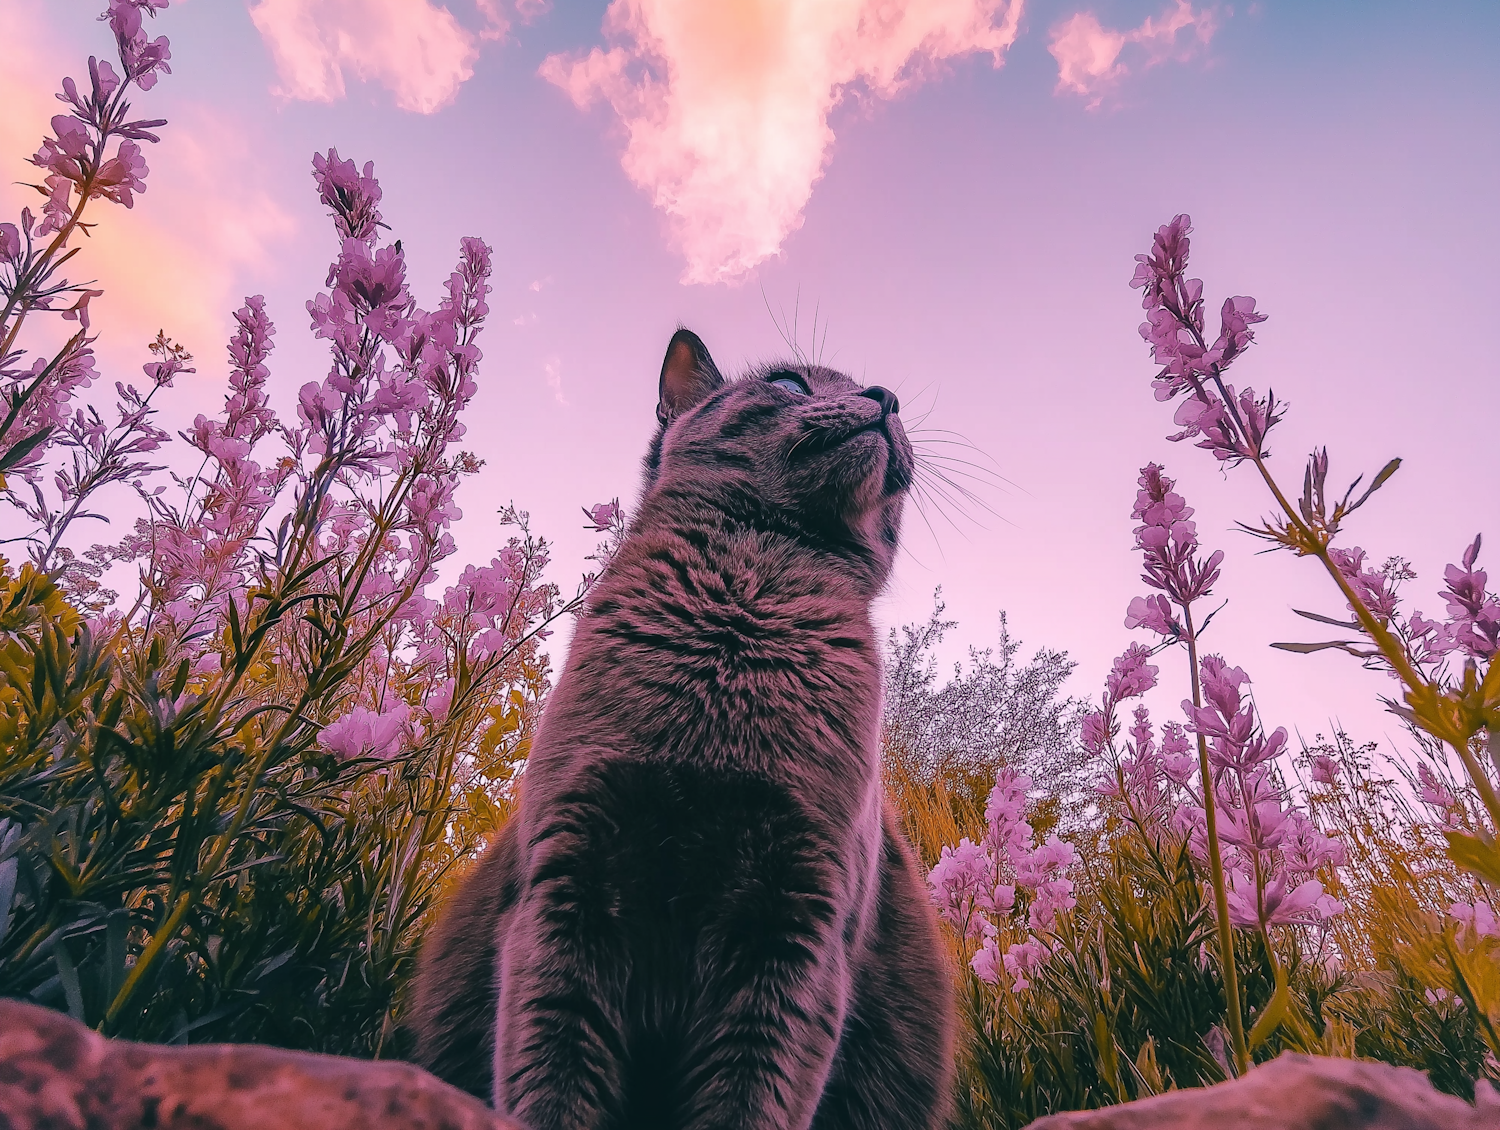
(1299, 1092)
(56, 1074)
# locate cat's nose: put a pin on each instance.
(884, 397)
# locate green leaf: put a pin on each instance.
(19, 452)
(1385, 472)
(1479, 855)
(1275, 1011)
(1352, 625)
(68, 976)
(1309, 648)
(8, 871)
(116, 928)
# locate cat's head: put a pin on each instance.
(792, 446)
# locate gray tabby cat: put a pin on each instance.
(703, 913)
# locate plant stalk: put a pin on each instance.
(1232, 1011)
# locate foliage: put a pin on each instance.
(227, 807)
(996, 711)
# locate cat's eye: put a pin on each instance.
(791, 384)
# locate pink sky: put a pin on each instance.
(953, 188)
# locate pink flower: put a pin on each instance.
(1305, 904)
(374, 286)
(10, 243)
(122, 174)
(1433, 792)
(1477, 918)
(1370, 585)
(141, 57)
(1131, 674)
(1178, 764)
(1095, 734)
(1473, 611)
(986, 962)
(956, 881)
(1002, 900)
(1042, 873)
(364, 733)
(602, 517)
(1009, 836)
(1307, 849)
(1022, 960)
(1235, 335)
(1325, 771)
(1154, 613)
(354, 198)
(1169, 544)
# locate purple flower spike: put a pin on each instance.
(1131, 675)
(354, 197)
(1154, 613)
(1473, 611)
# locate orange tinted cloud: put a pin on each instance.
(725, 105)
(413, 48)
(1088, 54)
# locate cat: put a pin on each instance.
(703, 912)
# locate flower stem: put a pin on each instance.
(1232, 1010)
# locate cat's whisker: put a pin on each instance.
(811, 433)
(944, 500)
(917, 501)
(959, 469)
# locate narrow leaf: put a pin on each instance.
(1385, 473)
(8, 871)
(1309, 648)
(1275, 1012)
(1479, 855)
(1352, 625)
(67, 974)
(24, 448)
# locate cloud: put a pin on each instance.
(416, 49)
(552, 369)
(725, 106)
(1088, 54)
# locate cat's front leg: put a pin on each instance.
(765, 1044)
(559, 1045)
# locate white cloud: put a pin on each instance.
(552, 369)
(1088, 54)
(414, 48)
(725, 105)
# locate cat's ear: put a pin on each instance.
(688, 374)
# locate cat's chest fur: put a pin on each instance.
(720, 699)
(728, 650)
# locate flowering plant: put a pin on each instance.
(227, 804)
(1450, 683)
(1209, 883)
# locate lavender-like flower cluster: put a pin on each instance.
(978, 888)
(1272, 849)
(1233, 425)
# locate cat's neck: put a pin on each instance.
(702, 523)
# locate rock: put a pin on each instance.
(55, 1074)
(1299, 1092)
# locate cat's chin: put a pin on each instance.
(870, 468)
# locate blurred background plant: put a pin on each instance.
(228, 803)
